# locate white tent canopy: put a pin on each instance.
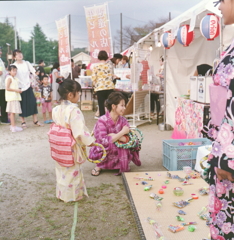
(181, 61)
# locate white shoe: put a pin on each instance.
(16, 129)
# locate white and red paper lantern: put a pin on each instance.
(185, 37)
(167, 40)
(209, 26)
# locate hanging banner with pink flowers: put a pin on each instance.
(188, 119)
(64, 46)
(98, 26)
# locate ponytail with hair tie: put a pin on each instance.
(59, 80)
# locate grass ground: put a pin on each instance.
(105, 215)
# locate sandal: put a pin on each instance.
(23, 125)
(38, 124)
(97, 172)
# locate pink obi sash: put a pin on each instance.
(218, 101)
(61, 143)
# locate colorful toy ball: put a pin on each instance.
(209, 27)
(191, 228)
(184, 36)
(160, 191)
(167, 40)
(164, 187)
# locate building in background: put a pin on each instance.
(81, 57)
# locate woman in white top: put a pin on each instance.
(55, 75)
(28, 103)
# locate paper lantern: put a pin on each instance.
(184, 36)
(209, 27)
(167, 40)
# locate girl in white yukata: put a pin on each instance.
(70, 181)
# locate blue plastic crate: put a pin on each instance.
(175, 157)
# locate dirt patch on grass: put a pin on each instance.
(33, 211)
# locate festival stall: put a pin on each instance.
(136, 107)
(182, 58)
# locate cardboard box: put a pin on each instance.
(203, 93)
(86, 105)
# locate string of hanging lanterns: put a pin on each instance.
(209, 28)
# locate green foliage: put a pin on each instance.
(77, 51)
(47, 70)
(7, 35)
(45, 49)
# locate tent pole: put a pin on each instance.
(165, 81)
(134, 61)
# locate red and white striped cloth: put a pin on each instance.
(61, 143)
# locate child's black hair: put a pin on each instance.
(114, 98)
(44, 76)
(10, 67)
(67, 86)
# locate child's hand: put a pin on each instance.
(18, 90)
(125, 130)
(223, 175)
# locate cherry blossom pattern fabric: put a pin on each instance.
(221, 202)
(117, 158)
(188, 119)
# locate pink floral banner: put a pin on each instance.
(188, 119)
(98, 25)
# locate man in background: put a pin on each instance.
(75, 70)
(41, 69)
(4, 116)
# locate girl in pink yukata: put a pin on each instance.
(70, 185)
(109, 128)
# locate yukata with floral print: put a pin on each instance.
(221, 202)
(70, 181)
(117, 158)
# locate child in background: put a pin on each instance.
(67, 116)
(13, 97)
(46, 98)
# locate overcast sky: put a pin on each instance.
(135, 13)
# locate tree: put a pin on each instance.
(7, 35)
(130, 34)
(7, 22)
(78, 50)
(46, 50)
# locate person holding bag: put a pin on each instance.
(28, 103)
